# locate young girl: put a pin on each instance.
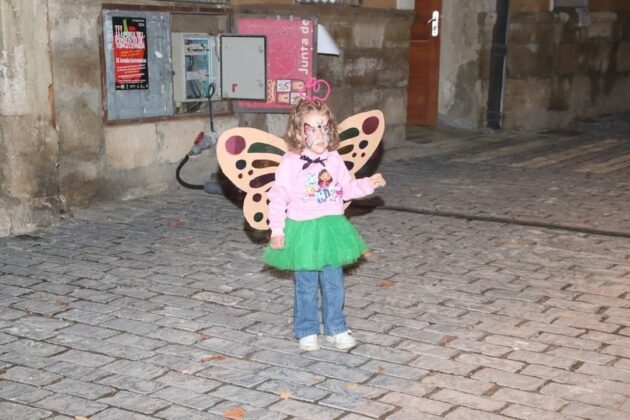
(309, 233)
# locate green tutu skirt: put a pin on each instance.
(310, 245)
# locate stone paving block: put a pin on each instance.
(391, 383)
(233, 376)
(472, 386)
(352, 388)
(427, 349)
(357, 404)
(292, 375)
(582, 355)
(183, 413)
(130, 326)
(392, 369)
(15, 391)
(118, 414)
(580, 410)
(477, 360)
(186, 398)
(89, 331)
(188, 381)
(85, 316)
(546, 359)
(137, 369)
(291, 390)
(584, 395)
(462, 413)
(228, 347)
(516, 343)
(621, 373)
(87, 390)
(73, 370)
(468, 400)
(11, 411)
(511, 380)
(129, 383)
(419, 404)
(444, 365)
(29, 376)
(526, 412)
(245, 396)
(135, 402)
(304, 410)
(83, 358)
(338, 372)
(531, 399)
(70, 405)
(281, 359)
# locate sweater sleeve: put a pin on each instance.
(353, 188)
(279, 198)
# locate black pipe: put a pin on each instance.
(498, 54)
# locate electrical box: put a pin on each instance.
(244, 67)
(195, 67)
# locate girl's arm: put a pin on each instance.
(357, 188)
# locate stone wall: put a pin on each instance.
(564, 64)
(55, 147)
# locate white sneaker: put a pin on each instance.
(342, 341)
(309, 343)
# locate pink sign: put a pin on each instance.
(290, 59)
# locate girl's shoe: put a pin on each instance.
(309, 343)
(342, 341)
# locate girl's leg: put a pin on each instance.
(305, 319)
(331, 283)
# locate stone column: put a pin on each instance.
(28, 138)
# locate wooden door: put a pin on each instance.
(424, 63)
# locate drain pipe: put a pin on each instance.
(497, 66)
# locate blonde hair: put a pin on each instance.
(294, 127)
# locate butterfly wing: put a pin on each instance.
(360, 136)
(249, 158)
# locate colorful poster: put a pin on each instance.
(131, 70)
(290, 59)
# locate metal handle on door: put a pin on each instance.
(435, 23)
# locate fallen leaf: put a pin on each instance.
(381, 369)
(176, 223)
(235, 413)
(447, 339)
(387, 284)
(367, 254)
(285, 395)
(186, 372)
(350, 385)
(81, 418)
(203, 335)
(62, 302)
(212, 357)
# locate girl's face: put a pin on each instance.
(315, 132)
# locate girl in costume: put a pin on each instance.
(309, 234)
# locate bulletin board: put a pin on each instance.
(290, 58)
(138, 71)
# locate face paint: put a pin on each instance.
(312, 133)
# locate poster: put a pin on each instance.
(290, 59)
(131, 69)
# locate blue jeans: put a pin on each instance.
(305, 313)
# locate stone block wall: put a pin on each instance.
(566, 64)
(57, 152)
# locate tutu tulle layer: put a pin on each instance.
(314, 244)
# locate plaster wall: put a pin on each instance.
(466, 39)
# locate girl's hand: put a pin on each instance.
(277, 242)
(377, 180)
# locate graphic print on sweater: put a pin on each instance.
(320, 186)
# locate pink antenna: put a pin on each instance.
(312, 89)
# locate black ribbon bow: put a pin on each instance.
(309, 161)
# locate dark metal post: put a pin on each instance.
(497, 66)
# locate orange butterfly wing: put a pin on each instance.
(249, 158)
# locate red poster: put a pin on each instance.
(290, 58)
(131, 69)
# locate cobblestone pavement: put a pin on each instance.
(496, 287)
